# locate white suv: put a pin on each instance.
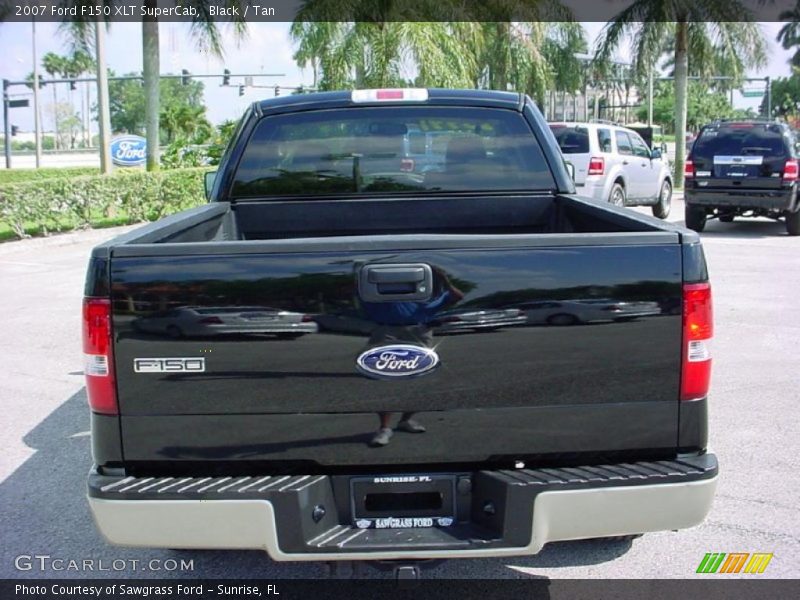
(613, 163)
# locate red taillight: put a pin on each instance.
(98, 357)
(688, 170)
(307, 318)
(698, 329)
(597, 166)
(210, 321)
(790, 170)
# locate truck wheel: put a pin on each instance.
(617, 195)
(793, 222)
(695, 218)
(661, 210)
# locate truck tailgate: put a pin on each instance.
(286, 388)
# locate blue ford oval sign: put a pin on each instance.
(129, 151)
(397, 360)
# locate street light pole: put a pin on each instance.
(37, 126)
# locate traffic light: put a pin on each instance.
(14, 130)
(241, 90)
(185, 77)
(277, 91)
(226, 77)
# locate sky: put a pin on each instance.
(266, 49)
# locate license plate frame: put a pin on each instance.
(377, 502)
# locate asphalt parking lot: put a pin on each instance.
(755, 427)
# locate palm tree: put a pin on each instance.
(80, 63)
(204, 31)
(699, 28)
(374, 54)
(53, 64)
(789, 35)
(521, 42)
(363, 43)
(207, 37)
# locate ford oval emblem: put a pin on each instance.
(129, 151)
(397, 360)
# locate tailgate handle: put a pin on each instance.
(393, 283)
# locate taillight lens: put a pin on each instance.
(790, 170)
(597, 165)
(698, 330)
(307, 318)
(688, 170)
(98, 357)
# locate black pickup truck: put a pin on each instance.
(362, 350)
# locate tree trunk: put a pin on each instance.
(681, 84)
(55, 117)
(150, 71)
(103, 114)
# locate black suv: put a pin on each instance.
(743, 168)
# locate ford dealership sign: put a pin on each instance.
(129, 151)
(397, 360)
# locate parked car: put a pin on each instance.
(454, 321)
(515, 441)
(200, 321)
(614, 163)
(589, 310)
(743, 168)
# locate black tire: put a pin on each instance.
(617, 195)
(661, 210)
(726, 218)
(696, 218)
(793, 222)
(562, 319)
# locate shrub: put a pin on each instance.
(22, 175)
(58, 204)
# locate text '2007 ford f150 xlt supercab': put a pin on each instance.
(344, 355)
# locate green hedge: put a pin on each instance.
(60, 204)
(23, 175)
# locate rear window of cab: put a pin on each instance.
(392, 149)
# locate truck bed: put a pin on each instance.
(469, 215)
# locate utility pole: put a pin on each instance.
(104, 117)
(650, 98)
(769, 97)
(37, 126)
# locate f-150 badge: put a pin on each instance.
(397, 360)
(169, 365)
